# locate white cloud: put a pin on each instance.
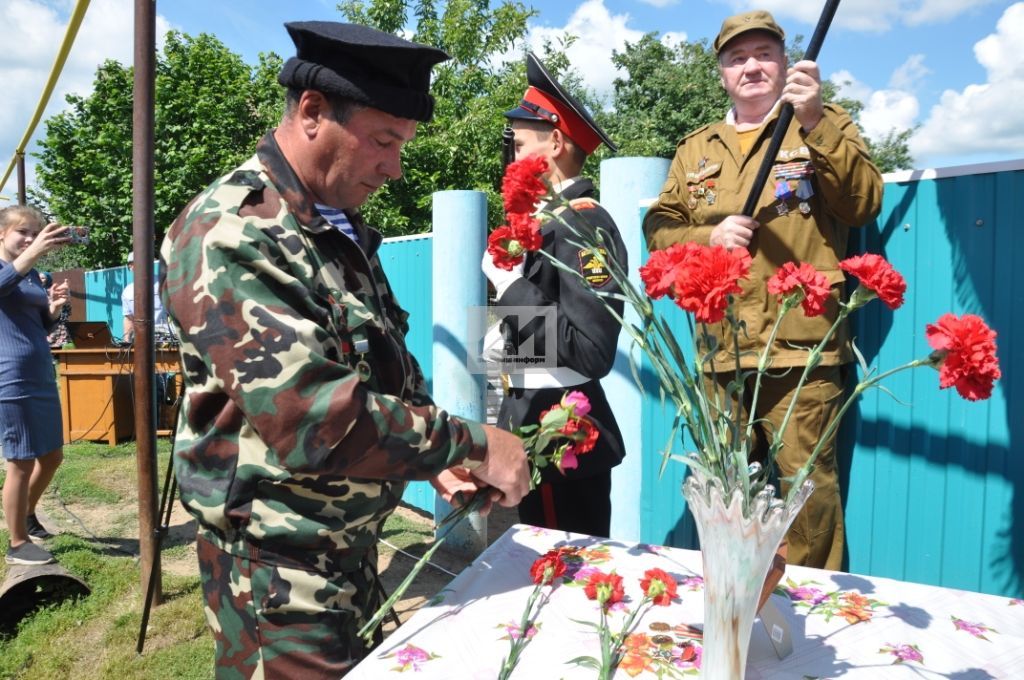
(884, 110)
(986, 117)
(849, 86)
(909, 73)
(32, 33)
(673, 38)
(598, 33)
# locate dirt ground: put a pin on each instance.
(100, 524)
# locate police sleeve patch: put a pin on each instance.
(592, 269)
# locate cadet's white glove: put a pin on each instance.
(500, 278)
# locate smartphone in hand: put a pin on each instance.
(78, 235)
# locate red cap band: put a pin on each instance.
(565, 119)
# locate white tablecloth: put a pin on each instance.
(843, 625)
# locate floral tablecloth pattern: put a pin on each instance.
(843, 625)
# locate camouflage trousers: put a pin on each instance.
(278, 620)
(817, 537)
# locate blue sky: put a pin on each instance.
(952, 68)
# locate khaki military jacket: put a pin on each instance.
(303, 413)
(828, 184)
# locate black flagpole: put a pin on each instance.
(786, 114)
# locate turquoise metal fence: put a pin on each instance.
(934, 486)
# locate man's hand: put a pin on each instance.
(505, 467)
(457, 480)
(735, 231)
(498, 277)
(803, 91)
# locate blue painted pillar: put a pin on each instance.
(460, 238)
(625, 182)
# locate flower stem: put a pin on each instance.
(518, 644)
(861, 387)
(475, 503)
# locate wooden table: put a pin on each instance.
(96, 392)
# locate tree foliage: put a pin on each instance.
(668, 91)
(210, 108)
(461, 147)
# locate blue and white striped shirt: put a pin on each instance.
(337, 219)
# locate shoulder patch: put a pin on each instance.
(591, 268)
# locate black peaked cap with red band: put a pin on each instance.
(545, 99)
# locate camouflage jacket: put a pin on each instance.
(303, 413)
(822, 183)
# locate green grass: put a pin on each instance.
(95, 636)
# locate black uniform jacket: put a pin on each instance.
(587, 332)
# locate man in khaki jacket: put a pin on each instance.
(822, 183)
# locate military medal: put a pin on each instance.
(709, 194)
(804, 207)
(362, 345)
(804, 189)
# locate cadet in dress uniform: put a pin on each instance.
(551, 123)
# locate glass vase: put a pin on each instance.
(737, 550)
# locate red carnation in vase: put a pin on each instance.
(969, 360)
(705, 281)
(605, 588)
(877, 274)
(522, 186)
(551, 560)
(659, 274)
(659, 586)
(791, 278)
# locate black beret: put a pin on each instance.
(369, 66)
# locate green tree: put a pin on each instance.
(671, 90)
(210, 109)
(461, 147)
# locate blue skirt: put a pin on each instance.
(31, 426)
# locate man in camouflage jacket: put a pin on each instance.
(823, 182)
(304, 413)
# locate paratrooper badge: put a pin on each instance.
(592, 269)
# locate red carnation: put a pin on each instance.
(605, 588)
(970, 360)
(547, 567)
(659, 274)
(792, 277)
(509, 243)
(505, 250)
(705, 281)
(658, 586)
(526, 230)
(522, 186)
(877, 274)
(589, 438)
